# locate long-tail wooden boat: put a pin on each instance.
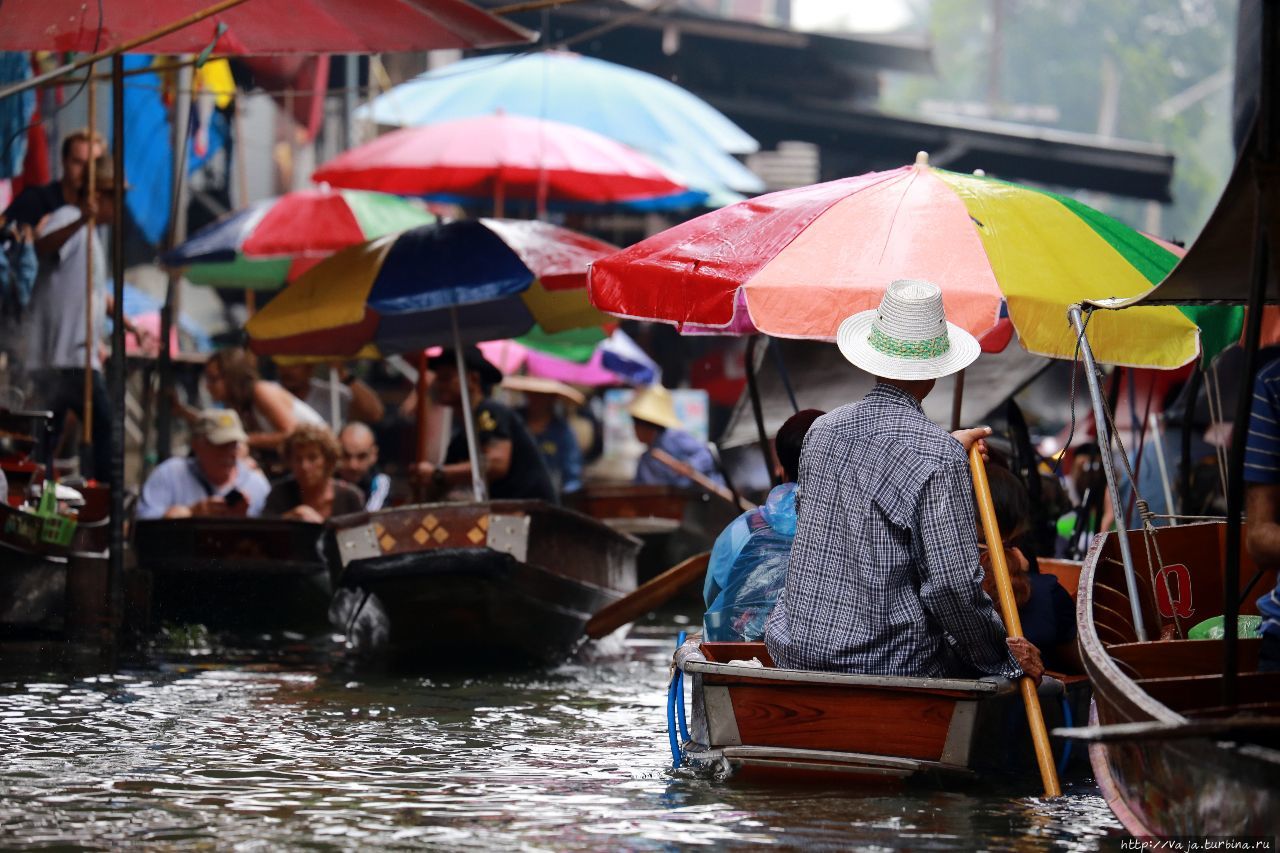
(465, 584)
(1176, 784)
(761, 721)
(673, 523)
(243, 575)
(52, 591)
(753, 721)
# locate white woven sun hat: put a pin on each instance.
(908, 336)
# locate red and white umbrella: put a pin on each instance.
(501, 157)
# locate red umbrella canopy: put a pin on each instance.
(501, 156)
(256, 27)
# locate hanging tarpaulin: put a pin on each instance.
(15, 114)
(148, 158)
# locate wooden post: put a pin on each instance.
(86, 422)
(1012, 624)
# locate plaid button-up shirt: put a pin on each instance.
(884, 575)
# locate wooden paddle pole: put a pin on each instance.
(1012, 624)
(646, 597)
(91, 197)
(423, 390)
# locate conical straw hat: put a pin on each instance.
(654, 405)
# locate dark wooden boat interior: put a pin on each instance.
(236, 574)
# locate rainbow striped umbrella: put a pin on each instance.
(795, 263)
(402, 292)
(277, 239)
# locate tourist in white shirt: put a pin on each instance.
(215, 480)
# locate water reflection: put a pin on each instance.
(186, 752)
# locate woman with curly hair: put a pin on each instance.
(267, 408)
(310, 492)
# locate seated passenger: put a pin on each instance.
(1045, 609)
(310, 492)
(884, 576)
(356, 400)
(658, 428)
(543, 415)
(358, 464)
(213, 481)
(271, 412)
(749, 561)
(512, 465)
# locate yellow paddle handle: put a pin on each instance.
(1012, 624)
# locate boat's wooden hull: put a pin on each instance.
(752, 722)
(259, 576)
(673, 523)
(1179, 786)
(465, 584)
(53, 591)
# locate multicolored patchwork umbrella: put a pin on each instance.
(500, 277)
(795, 263)
(276, 240)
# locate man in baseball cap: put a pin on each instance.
(215, 480)
(884, 575)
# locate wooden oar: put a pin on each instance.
(1012, 624)
(687, 470)
(647, 596)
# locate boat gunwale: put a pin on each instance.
(532, 507)
(829, 760)
(977, 687)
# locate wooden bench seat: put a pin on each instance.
(1181, 657)
(1187, 694)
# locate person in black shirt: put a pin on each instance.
(35, 203)
(511, 463)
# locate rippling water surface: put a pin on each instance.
(185, 752)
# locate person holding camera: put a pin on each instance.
(215, 480)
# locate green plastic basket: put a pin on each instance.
(1213, 628)
(55, 528)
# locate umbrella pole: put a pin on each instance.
(177, 233)
(90, 226)
(1076, 315)
(422, 420)
(1158, 434)
(468, 416)
(333, 399)
(757, 409)
(957, 401)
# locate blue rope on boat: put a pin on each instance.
(675, 698)
(1066, 744)
(680, 718)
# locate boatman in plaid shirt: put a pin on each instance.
(884, 576)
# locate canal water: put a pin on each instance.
(190, 750)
